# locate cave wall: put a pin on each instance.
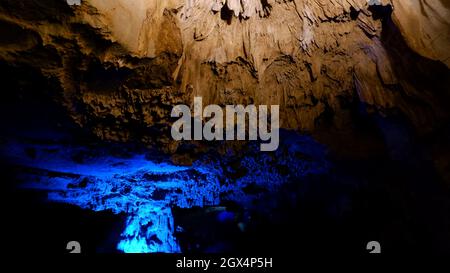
(119, 66)
(425, 25)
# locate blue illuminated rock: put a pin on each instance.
(146, 191)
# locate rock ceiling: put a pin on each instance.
(119, 66)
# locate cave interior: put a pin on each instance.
(86, 152)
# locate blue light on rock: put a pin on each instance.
(159, 234)
(147, 192)
(225, 216)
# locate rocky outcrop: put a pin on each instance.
(425, 25)
(119, 66)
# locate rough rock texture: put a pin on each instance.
(119, 66)
(426, 27)
(146, 189)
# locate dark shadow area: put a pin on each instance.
(226, 14)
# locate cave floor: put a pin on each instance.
(113, 199)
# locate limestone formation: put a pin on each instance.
(120, 65)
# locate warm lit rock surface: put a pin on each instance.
(119, 66)
(426, 27)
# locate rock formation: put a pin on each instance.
(119, 66)
(363, 86)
